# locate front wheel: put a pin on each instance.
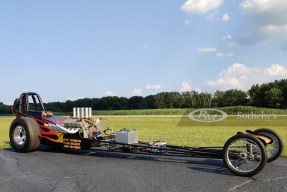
(24, 134)
(244, 155)
(275, 148)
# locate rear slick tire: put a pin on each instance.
(25, 135)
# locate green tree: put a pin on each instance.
(186, 99)
(231, 97)
(274, 97)
(148, 102)
(135, 102)
(205, 100)
(5, 109)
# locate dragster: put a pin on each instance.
(244, 154)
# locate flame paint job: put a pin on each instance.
(46, 132)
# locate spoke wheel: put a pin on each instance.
(275, 148)
(244, 155)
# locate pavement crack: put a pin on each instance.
(13, 165)
(54, 187)
(138, 166)
(93, 186)
(241, 185)
(78, 185)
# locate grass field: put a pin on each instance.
(229, 110)
(4, 130)
(178, 130)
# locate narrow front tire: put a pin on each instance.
(275, 148)
(244, 155)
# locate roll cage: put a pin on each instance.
(28, 102)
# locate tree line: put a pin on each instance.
(267, 95)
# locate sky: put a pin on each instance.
(72, 49)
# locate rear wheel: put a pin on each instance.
(24, 134)
(275, 148)
(244, 155)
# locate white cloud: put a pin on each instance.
(214, 50)
(200, 6)
(229, 54)
(213, 16)
(221, 54)
(137, 92)
(275, 70)
(74, 98)
(225, 17)
(266, 21)
(185, 86)
(206, 49)
(187, 23)
(228, 39)
(262, 5)
(275, 32)
(155, 86)
(109, 93)
(239, 76)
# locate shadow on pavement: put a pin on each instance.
(215, 166)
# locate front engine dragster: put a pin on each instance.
(244, 154)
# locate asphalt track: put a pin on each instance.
(50, 170)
